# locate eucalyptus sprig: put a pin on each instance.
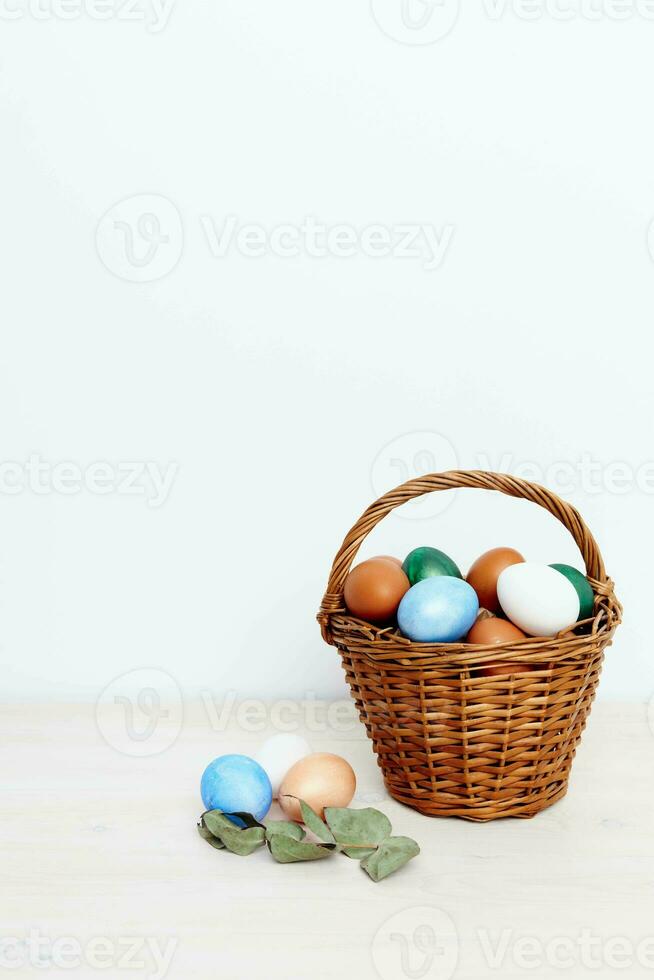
(362, 834)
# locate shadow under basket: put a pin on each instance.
(452, 740)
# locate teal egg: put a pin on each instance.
(582, 588)
(426, 562)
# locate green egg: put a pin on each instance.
(582, 588)
(427, 562)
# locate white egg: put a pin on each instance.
(279, 752)
(537, 598)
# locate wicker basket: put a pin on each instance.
(451, 741)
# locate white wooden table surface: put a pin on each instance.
(103, 873)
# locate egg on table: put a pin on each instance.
(582, 586)
(537, 599)
(426, 562)
(485, 571)
(236, 784)
(278, 754)
(438, 610)
(374, 588)
(321, 780)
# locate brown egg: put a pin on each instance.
(374, 588)
(494, 630)
(396, 561)
(497, 669)
(484, 573)
(321, 780)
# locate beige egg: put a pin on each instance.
(321, 780)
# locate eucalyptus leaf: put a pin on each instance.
(286, 850)
(358, 827)
(358, 833)
(216, 821)
(315, 824)
(286, 827)
(243, 841)
(206, 834)
(391, 854)
(236, 839)
(247, 819)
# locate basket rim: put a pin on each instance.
(334, 617)
(383, 644)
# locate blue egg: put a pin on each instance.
(438, 610)
(236, 783)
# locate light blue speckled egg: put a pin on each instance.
(438, 610)
(236, 784)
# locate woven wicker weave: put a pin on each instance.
(450, 741)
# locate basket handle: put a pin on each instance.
(479, 479)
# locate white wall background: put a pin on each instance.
(273, 383)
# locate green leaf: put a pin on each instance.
(358, 827)
(206, 834)
(315, 824)
(286, 850)
(358, 833)
(216, 821)
(389, 856)
(247, 819)
(286, 827)
(236, 839)
(243, 841)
